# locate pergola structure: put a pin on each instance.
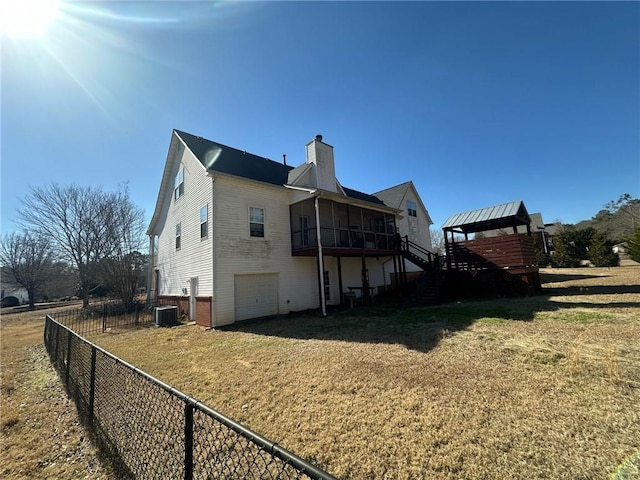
(511, 252)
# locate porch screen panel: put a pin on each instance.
(381, 232)
(355, 227)
(341, 223)
(303, 224)
(369, 227)
(327, 233)
(369, 220)
(391, 231)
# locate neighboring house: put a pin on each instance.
(9, 290)
(619, 248)
(237, 236)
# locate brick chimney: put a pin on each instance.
(320, 154)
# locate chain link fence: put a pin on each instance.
(150, 430)
(101, 317)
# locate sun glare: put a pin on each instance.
(26, 18)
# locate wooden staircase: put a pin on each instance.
(428, 261)
(427, 286)
(417, 260)
(430, 294)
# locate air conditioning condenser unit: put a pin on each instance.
(166, 316)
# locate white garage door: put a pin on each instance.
(256, 295)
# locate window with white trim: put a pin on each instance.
(412, 208)
(178, 184)
(256, 222)
(178, 235)
(204, 221)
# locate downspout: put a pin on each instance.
(212, 320)
(150, 267)
(384, 273)
(323, 303)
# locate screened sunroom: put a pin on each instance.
(346, 229)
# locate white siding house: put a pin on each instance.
(414, 221)
(237, 236)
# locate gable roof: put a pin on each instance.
(491, 218)
(299, 173)
(216, 157)
(395, 196)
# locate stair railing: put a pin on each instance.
(428, 257)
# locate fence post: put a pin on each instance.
(137, 307)
(104, 318)
(92, 383)
(55, 355)
(68, 367)
(188, 441)
(47, 327)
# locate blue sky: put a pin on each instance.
(477, 103)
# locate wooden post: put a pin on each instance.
(323, 302)
(92, 384)
(340, 279)
(446, 250)
(395, 273)
(365, 281)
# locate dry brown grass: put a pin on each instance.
(41, 437)
(540, 387)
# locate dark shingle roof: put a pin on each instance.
(221, 158)
(362, 196)
(490, 218)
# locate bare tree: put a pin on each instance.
(73, 218)
(27, 260)
(124, 265)
(63, 282)
(437, 241)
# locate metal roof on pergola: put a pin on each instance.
(507, 215)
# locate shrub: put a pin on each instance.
(542, 257)
(601, 252)
(633, 245)
(565, 254)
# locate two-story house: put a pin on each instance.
(238, 236)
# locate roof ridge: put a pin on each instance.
(244, 152)
(392, 187)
